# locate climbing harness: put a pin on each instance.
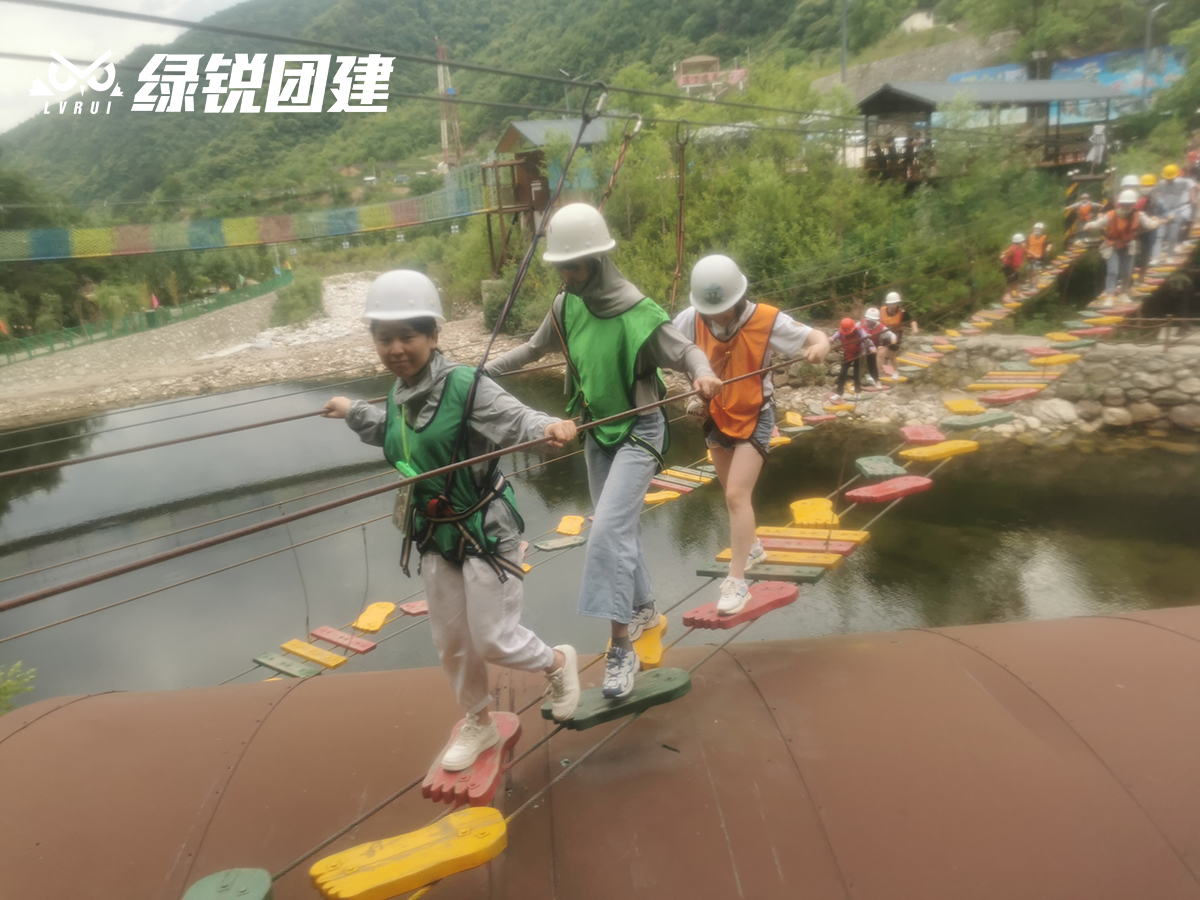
(682, 132)
(626, 140)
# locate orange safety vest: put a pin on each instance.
(1121, 231)
(890, 321)
(735, 410)
(1037, 245)
(1085, 212)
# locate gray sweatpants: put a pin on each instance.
(476, 620)
(615, 578)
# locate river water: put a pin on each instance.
(1009, 533)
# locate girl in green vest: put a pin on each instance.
(465, 525)
(615, 339)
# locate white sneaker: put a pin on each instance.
(642, 619)
(472, 740)
(563, 687)
(870, 382)
(735, 594)
(620, 668)
(834, 399)
(757, 554)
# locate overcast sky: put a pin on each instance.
(34, 31)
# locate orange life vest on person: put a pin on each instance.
(1119, 231)
(1037, 245)
(1085, 211)
(892, 321)
(735, 410)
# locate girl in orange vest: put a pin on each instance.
(1038, 245)
(738, 337)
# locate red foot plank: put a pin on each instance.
(807, 545)
(475, 785)
(670, 486)
(331, 635)
(764, 597)
(889, 490)
(1041, 351)
(414, 608)
(818, 420)
(922, 434)
(1098, 331)
(1000, 398)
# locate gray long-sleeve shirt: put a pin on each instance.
(666, 348)
(498, 419)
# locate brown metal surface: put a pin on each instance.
(1036, 760)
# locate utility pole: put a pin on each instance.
(452, 152)
(845, 3)
(1146, 51)
(566, 89)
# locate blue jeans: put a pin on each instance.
(1120, 269)
(615, 578)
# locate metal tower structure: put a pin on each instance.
(451, 139)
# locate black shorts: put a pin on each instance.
(1011, 275)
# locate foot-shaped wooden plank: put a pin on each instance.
(819, 420)
(570, 525)
(232, 884)
(944, 450)
(878, 467)
(808, 545)
(314, 654)
(287, 665)
(922, 434)
(666, 483)
(382, 869)
(338, 638)
(1003, 398)
(963, 407)
(1006, 385)
(374, 616)
(793, 418)
(965, 423)
(815, 534)
(649, 689)
(649, 645)
(415, 608)
(764, 597)
(662, 496)
(789, 558)
(764, 572)
(1059, 359)
(814, 512)
(886, 491)
(476, 784)
(562, 543)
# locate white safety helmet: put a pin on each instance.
(1018, 238)
(1127, 198)
(891, 299)
(872, 315)
(1039, 226)
(576, 231)
(1130, 181)
(717, 284)
(403, 294)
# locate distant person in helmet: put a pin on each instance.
(1147, 208)
(1175, 197)
(474, 615)
(740, 336)
(1078, 214)
(893, 316)
(1038, 245)
(1120, 228)
(614, 339)
(1011, 261)
(856, 345)
(883, 339)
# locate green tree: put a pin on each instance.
(16, 681)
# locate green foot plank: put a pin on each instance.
(793, 430)
(794, 574)
(561, 543)
(710, 471)
(232, 884)
(288, 665)
(649, 689)
(1075, 345)
(962, 423)
(910, 368)
(878, 467)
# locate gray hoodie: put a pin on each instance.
(608, 293)
(498, 420)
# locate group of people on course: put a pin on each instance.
(465, 524)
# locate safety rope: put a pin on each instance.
(681, 139)
(626, 140)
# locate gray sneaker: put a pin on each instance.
(642, 619)
(619, 669)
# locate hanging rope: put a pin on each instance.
(681, 139)
(626, 140)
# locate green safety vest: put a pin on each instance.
(603, 355)
(432, 447)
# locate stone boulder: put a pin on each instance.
(1169, 397)
(1114, 396)
(1144, 412)
(1089, 409)
(1100, 372)
(1116, 416)
(1186, 415)
(1189, 386)
(1072, 391)
(1055, 412)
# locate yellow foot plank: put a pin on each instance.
(950, 332)
(570, 525)
(791, 558)
(814, 513)
(964, 407)
(649, 645)
(1060, 336)
(662, 496)
(813, 534)
(383, 869)
(779, 441)
(944, 450)
(1059, 359)
(945, 348)
(1105, 320)
(313, 654)
(839, 407)
(688, 476)
(374, 617)
(793, 418)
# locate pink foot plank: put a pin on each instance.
(1000, 398)
(476, 784)
(893, 489)
(922, 434)
(807, 545)
(1041, 351)
(1098, 331)
(818, 420)
(764, 597)
(414, 608)
(331, 635)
